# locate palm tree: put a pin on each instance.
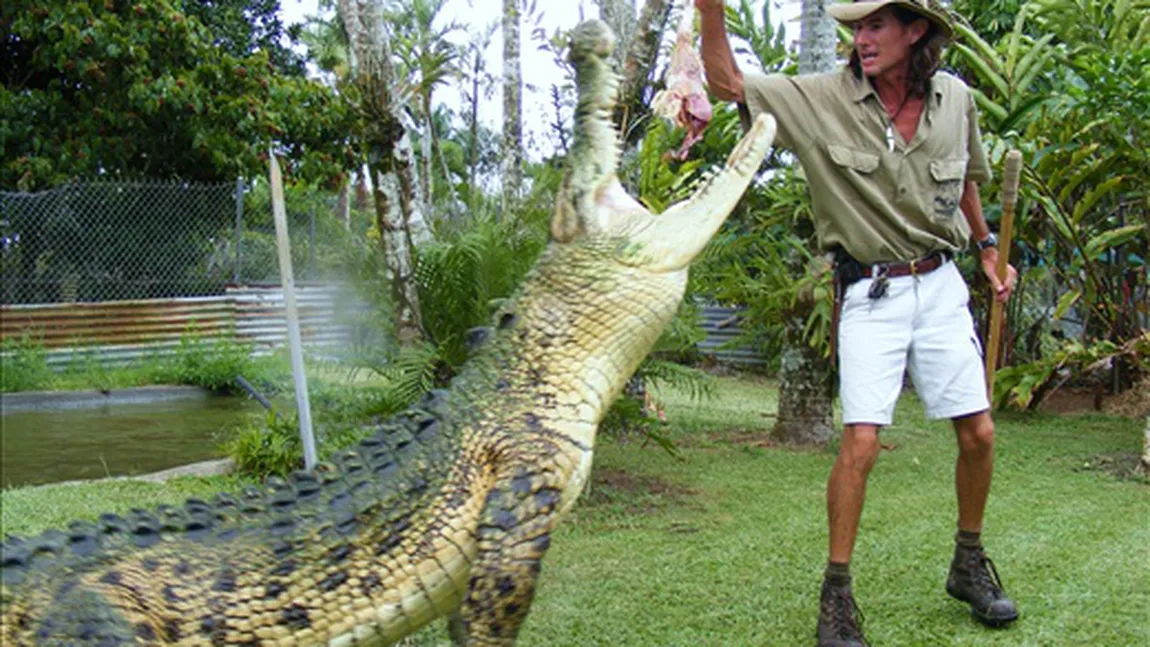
(805, 373)
(817, 38)
(512, 107)
(476, 82)
(399, 216)
(429, 58)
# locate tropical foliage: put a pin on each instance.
(1069, 86)
(171, 89)
(144, 90)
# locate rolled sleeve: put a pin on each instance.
(781, 96)
(978, 167)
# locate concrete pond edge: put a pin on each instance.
(23, 401)
(218, 467)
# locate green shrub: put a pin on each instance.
(341, 415)
(209, 364)
(265, 446)
(25, 365)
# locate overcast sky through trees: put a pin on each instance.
(539, 72)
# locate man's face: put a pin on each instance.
(883, 43)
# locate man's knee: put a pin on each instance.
(859, 448)
(975, 434)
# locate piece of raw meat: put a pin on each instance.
(684, 101)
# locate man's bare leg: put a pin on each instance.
(974, 467)
(839, 620)
(972, 577)
(846, 488)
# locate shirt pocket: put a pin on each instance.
(856, 160)
(946, 191)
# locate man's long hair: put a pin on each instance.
(925, 55)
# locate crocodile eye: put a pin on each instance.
(508, 320)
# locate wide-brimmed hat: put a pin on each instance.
(850, 12)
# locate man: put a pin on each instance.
(893, 156)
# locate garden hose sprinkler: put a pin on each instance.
(1010, 180)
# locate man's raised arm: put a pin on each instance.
(723, 76)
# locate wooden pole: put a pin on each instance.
(295, 344)
(1010, 180)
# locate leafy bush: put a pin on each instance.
(209, 364)
(25, 365)
(1027, 385)
(464, 275)
(265, 446)
(341, 414)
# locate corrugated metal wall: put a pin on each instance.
(721, 324)
(119, 332)
(259, 314)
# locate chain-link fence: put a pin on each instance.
(104, 241)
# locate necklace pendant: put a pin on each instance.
(890, 137)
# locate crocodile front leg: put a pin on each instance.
(513, 535)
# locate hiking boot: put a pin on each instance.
(840, 620)
(974, 580)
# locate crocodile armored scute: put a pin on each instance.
(445, 510)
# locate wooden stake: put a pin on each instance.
(1010, 180)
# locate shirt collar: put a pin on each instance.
(863, 89)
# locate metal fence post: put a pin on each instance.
(239, 229)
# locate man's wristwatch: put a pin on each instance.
(990, 241)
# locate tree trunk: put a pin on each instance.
(642, 52)
(397, 246)
(512, 163)
(620, 15)
(425, 181)
(473, 136)
(398, 215)
(817, 38)
(806, 378)
(806, 393)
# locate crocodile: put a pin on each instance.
(445, 510)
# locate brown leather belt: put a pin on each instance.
(924, 265)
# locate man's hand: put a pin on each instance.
(1002, 289)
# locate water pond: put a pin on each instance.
(38, 447)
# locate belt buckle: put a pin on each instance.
(913, 268)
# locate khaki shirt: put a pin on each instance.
(880, 198)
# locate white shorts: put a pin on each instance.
(922, 324)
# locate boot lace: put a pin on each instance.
(984, 575)
(845, 615)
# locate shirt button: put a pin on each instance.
(902, 190)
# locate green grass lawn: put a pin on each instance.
(727, 546)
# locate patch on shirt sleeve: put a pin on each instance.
(947, 187)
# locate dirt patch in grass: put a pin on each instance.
(1073, 399)
(1132, 403)
(636, 493)
(1124, 466)
(743, 438)
(727, 437)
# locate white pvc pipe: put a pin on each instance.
(283, 249)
